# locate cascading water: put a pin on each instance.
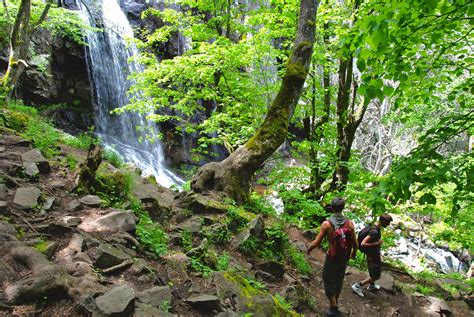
(109, 66)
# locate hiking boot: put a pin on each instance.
(373, 287)
(357, 288)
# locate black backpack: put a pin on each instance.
(361, 236)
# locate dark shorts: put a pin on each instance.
(374, 263)
(333, 276)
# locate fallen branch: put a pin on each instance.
(117, 267)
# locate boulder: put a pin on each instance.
(3, 192)
(144, 310)
(3, 206)
(7, 228)
(155, 296)
(5, 272)
(35, 156)
(27, 197)
(274, 268)
(204, 302)
(48, 203)
(91, 200)
(12, 139)
(386, 282)
(31, 170)
(74, 205)
(119, 300)
(437, 307)
(107, 256)
(11, 168)
(118, 220)
(199, 203)
(254, 229)
(157, 200)
(72, 221)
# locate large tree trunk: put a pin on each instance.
(233, 175)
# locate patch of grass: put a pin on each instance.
(282, 307)
(200, 267)
(81, 141)
(114, 188)
(223, 262)
(298, 260)
(152, 235)
(41, 246)
(186, 240)
(113, 157)
(424, 289)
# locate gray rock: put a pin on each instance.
(144, 310)
(74, 205)
(118, 221)
(274, 268)
(7, 228)
(48, 203)
(31, 170)
(3, 192)
(5, 272)
(228, 314)
(51, 248)
(27, 197)
(11, 168)
(192, 225)
(3, 206)
(35, 156)
(72, 221)
(204, 302)
(2, 149)
(438, 307)
(386, 282)
(107, 256)
(156, 200)
(155, 296)
(11, 139)
(254, 229)
(91, 200)
(267, 277)
(199, 203)
(86, 304)
(118, 300)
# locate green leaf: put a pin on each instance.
(427, 199)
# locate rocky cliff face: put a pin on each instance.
(57, 74)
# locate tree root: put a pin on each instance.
(47, 279)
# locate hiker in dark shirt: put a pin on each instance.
(370, 245)
(341, 237)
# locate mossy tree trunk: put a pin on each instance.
(20, 37)
(233, 175)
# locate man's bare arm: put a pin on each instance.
(319, 238)
(354, 240)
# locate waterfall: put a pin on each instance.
(109, 67)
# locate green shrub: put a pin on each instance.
(298, 260)
(113, 157)
(152, 235)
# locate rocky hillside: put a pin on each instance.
(128, 247)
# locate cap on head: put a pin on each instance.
(337, 204)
